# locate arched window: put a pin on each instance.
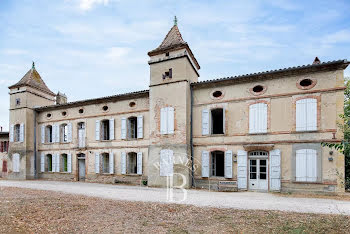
(48, 133)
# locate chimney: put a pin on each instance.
(61, 98)
(316, 61)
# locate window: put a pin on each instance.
(48, 134)
(64, 113)
(306, 114)
(81, 111)
(132, 163)
(4, 146)
(166, 162)
(217, 94)
(258, 118)
(15, 163)
(168, 74)
(306, 165)
(217, 163)
(64, 132)
(132, 104)
(64, 162)
(17, 133)
(105, 108)
(105, 163)
(167, 120)
(18, 101)
(81, 134)
(258, 89)
(305, 82)
(49, 162)
(105, 129)
(217, 121)
(132, 128)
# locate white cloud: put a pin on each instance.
(86, 5)
(337, 37)
(14, 51)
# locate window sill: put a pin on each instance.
(258, 133)
(105, 140)
(217, 135)
(307, 182)
(135, 175)
(306, 131)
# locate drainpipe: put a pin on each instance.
(35, 153)
(191, 136)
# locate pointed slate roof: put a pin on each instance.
(173, 41)
(33, 79)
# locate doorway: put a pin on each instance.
(81, 167)
(258, 171)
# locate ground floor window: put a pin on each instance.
(217, 163)
(49, 162)
(64, 162)
(306, 165)
(132, 163)
(105, 163)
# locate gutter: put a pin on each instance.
(191, 138)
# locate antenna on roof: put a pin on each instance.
(175, 21)
(33, 65)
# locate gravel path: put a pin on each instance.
(238, 200)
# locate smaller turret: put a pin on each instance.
(61, 98)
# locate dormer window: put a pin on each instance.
(168, 74)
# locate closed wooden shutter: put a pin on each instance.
(57, 136)
(123, 163)
(139, 163)
(53, 161)
(228, 164)
(111, 129)
(11, 132)
(111, 163)
(21, 132)
(166, 162)
(42, 162)
(311, 173)
(123, 128)
(163, 121)
(58, 160)
(311, 118)
(205, 122)
(42, 134)
(258, 118)
(300, 165)
(140, 126)
(97, 130)
(301, 116)
(170, 114)
(15, 162)
(205, 163)
(242, 169)
(54, 133)
(70, 132)
(69, 163)
(97, 163)
(275, 170)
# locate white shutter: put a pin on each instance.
(300, 115)
(242, 169)
(97, 163)
(223, 120)
(69, 163)
(139, 163)
(58, 162)
(252, 118)
(53, 161)
(205, 122)
(111, 129)
(42, 134)
(11, 132)
(300, 165)
(170, 120)
(228, 164)
(21, 132)
(140, 126)
(70, 132)
(57, 136)
(311, 116)
(123, 162)
(258, 118)
(171, 162)
(15, 163)
(166, 162)
(163, 121)
(54, 136)
(111, 163)
(275, 170)
(263, 117)
(42, 162)
(205, 163)
(123, 128)
(97, 131)
(311, 174)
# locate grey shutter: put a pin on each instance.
(123, 163)
(140, 126)
(97, 130)
(139, 163)
(228, 164)
(42, 134)
(111, 129)
(275, 170)
(97, 163)
(170, 117)
(123, 128)
(111, 163)
(163, 121)
(70, 132)
(205, 122)
(242, 169)
(58, 162)
(21, 132)
(69, 163)
(205, 163)
(11, 132)
(42, 162)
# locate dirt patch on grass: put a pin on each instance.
(29, 211)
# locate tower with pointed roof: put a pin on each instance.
(173, 68)
(28, 93)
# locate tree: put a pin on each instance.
(344, 126)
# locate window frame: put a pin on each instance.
(16, 133)
(47, 164)
(129, 155)
(104, 130)
(49, 133)
(105, 163)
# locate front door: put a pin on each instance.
(81, 171)
(258, 174)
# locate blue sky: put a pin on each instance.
(94, 48)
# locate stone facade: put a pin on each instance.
(237, 133)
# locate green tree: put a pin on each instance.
(344, 126)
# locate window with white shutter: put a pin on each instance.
(167, 115)
(97, 163)
(69, 163)
(123, 163)
(205, 122)
(258, 118)
(12, 132)
(139, 163)
(70, 132)
(97, 130)
(42, 134)
(166, 162)
(21, 132)
(123, 128)
(228, 164)
(15, 162)
(111, 163)
(306, 165)
(42, 162)
(111, 129)
(306, 114)
(140, 127)
(205, 163)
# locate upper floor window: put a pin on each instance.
(306, 114)
(306, 165)
(104, 129)
(64, 132)
(48, 134)
(132, 128)
(17, 133)
(168, 74)
(132, 124)
(213, 121)
(18, 101)
(258, 118)
(167, 120)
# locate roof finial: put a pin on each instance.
(175, 21)
(33, 65)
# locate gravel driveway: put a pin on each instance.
(236, 200)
